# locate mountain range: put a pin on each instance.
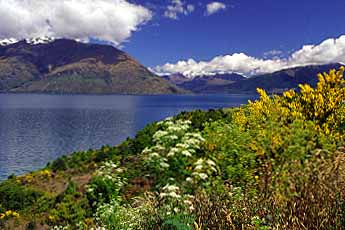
(275, 82)
(203, 83)
(68, 66)
(48, 65)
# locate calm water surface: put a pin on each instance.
(36, 128)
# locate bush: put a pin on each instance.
(70, 207)
(14, 196)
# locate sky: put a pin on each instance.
(192, 36)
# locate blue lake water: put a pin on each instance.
(38, 128)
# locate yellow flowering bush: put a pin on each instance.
(46, 173)
(287, 134)
(321, 108)
(9, 214)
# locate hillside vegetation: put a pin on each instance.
(276, 163)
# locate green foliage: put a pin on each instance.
(14, 196)
(113, 216)
(200, 118)
(232, 152)
(70, 207)
(178, 222)
(101, 191)
(59, 164)
(105, 186)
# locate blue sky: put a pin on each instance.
(192, 37)
(250, 26)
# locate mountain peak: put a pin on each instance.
(8, 41)
(30, 41)
(67, 66)
(39, 40)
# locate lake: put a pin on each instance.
(38, 128)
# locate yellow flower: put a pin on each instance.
(8, 212)
(45, 173)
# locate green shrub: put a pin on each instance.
(14, 196)
(70, 207)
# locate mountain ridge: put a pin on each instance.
(68, 66)
(276, 82)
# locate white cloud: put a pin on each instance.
(329, 51)
(178, 7)
(214, 7)
(273, 54)
(111, 20)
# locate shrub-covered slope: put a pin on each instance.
(276, 163)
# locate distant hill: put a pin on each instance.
(203, 84)
(276, 82)
(282, 80)
(68, 66)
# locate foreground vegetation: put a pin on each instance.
(276, 163)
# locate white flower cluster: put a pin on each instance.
(202, 170)
(59, 227)
(173, 141)
(174, 201)
(98, 228)
(115, 216)
(110, 171)
(172, 131)
(170, 191)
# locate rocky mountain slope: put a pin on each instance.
(68, 66)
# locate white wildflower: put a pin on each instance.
(174, 195)
(203, 176)
(173, 137)
(164, 165)
(163, 194)
(199, 162)
(189, 179)
(198, 167)
(210, 162)
(172, 152)
(159, 134)
(153, 155)
(174, 128)
(188, 202)
(182, 146)
(191, 208)
(169, 187)
(186, 153)
(159, 148)
(120, 170)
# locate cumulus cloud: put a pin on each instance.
(214, 7)
(273, 54)
(329, 51)
(111, 20)
(178, 7)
